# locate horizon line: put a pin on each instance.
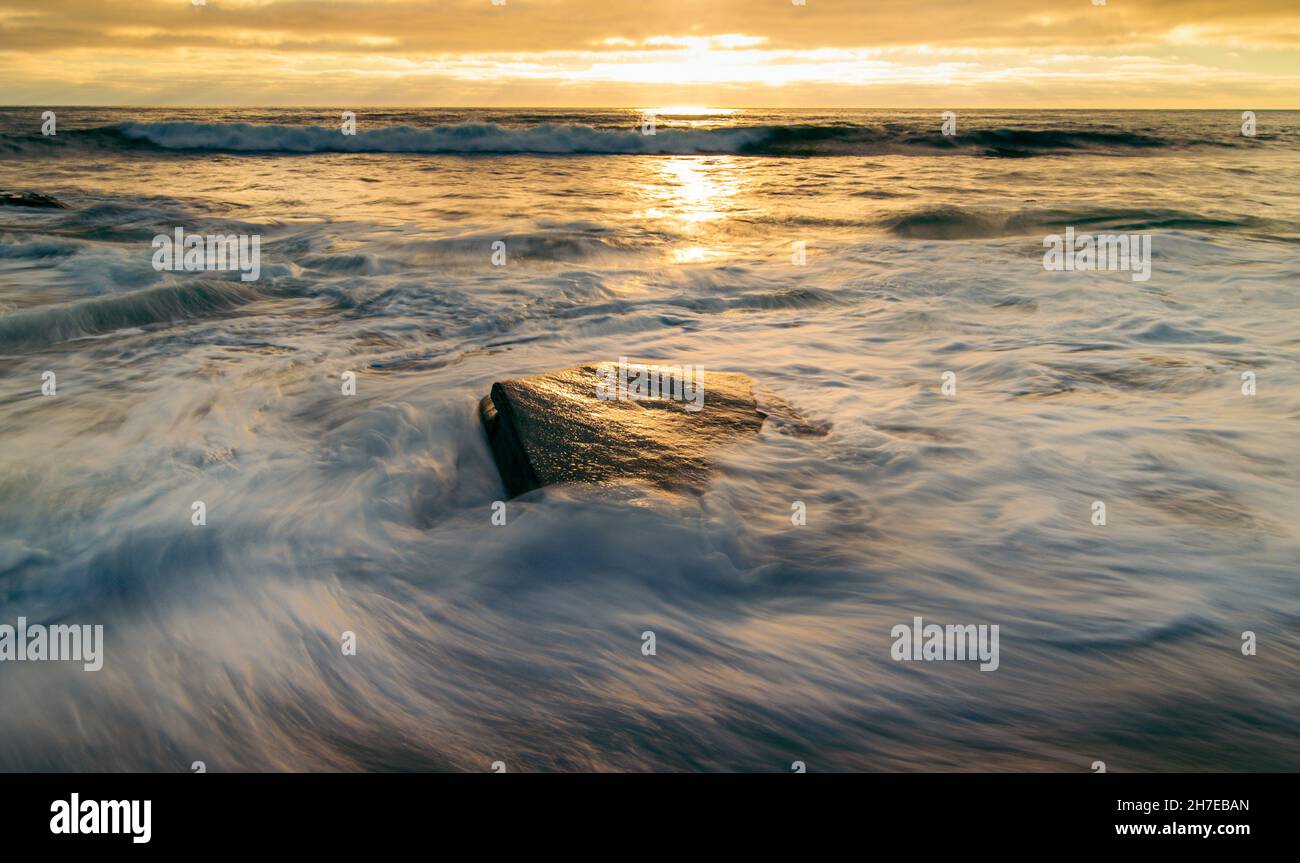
(47, 106)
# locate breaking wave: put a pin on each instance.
(554, 139)
(51, 324)
(962, 223)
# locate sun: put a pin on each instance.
(688, 111)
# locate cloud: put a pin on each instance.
(827, 53)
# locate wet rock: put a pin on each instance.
(554, 427)
(30, 199)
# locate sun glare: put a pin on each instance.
(689, 111)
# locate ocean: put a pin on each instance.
(884, 278)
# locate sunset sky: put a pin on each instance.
(610, 53)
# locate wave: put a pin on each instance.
(871, 140)
(958, 223)
(48, 325)
(556, 139)
(466, 138)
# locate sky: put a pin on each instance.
(621, 53)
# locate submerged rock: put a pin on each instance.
(554, 427)
(30, 199)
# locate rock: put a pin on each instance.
(553, 428)
(30, 199)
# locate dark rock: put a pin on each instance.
(553, 428)
(30, 199)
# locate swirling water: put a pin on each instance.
(477, 643)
